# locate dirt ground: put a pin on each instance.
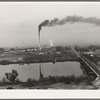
(53, 86)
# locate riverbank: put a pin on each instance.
(28, 59)
(59, 86)
(52, 54)
(52, 82)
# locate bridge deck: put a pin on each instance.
(92, 66)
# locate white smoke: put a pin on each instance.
(51, 43)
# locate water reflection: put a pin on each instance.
(34, 71)
(41, 75)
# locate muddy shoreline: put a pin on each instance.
(52, 82)
(81, 86)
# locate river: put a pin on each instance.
(32, 71)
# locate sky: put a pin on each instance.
(19, 23)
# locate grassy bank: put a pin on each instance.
(51, 82)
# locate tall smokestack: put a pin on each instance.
(44, 23)
(39, 39)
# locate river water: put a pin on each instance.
(32, 71)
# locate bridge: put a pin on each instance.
(89, 67)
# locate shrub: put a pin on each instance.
(12, 76)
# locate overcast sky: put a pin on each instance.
(19, 23)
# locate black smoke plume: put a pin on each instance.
(43, 24)
(68, 19)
